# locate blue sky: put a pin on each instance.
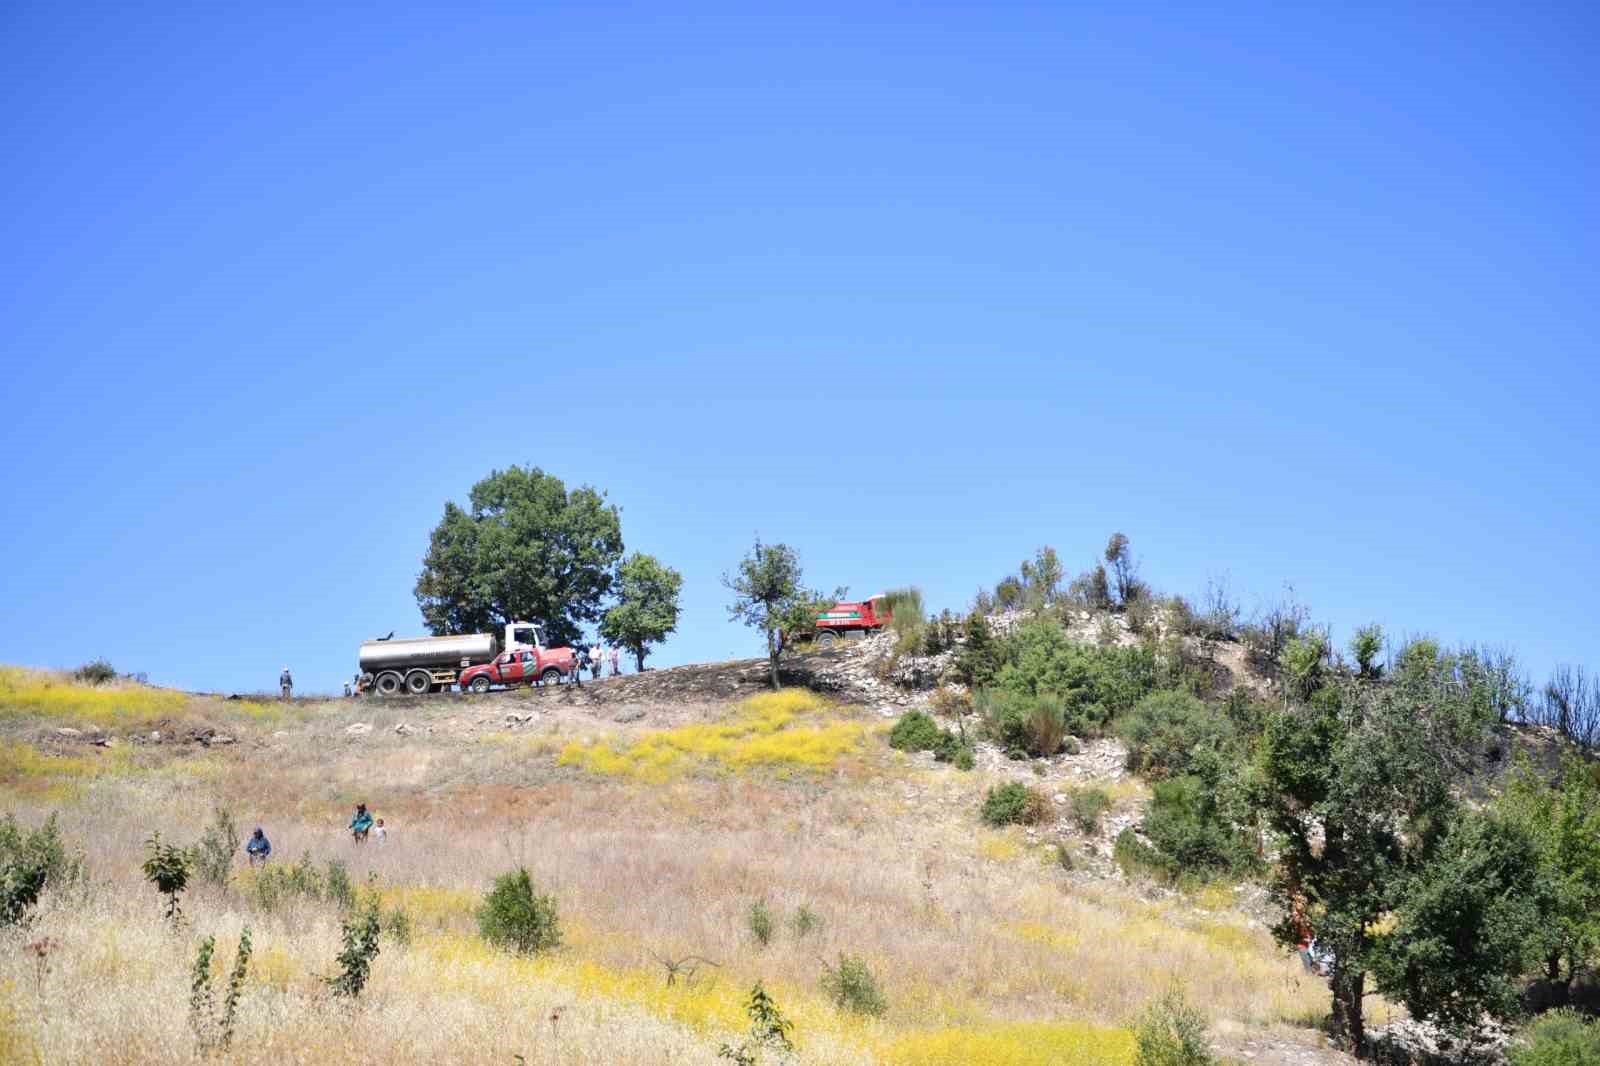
(1286, 295)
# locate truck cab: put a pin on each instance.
(524, 661)
(851, 616)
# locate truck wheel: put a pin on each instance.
(418, 683)
(387, 684)
(480, 684)
(550, 676)
(827, 638)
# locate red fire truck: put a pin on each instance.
(857, 616)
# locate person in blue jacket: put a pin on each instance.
(258, 847)
(361, 824)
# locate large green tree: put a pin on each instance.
(1360, 783)
(527, 548)
(767, 593)
(647, 605)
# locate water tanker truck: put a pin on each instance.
(477, 661)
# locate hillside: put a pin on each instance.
(683, 814)
(658, 811)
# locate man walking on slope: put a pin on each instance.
(286, 682)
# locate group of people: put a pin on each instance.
(258, 849)
(595, 655)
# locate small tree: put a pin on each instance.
(517, 916)
(359, 930)
(167, 867)
(30, 862)
(218, 845)
(1171, 1033)
(769, 1031)
(980, 656)
(1365, 647)
(852, 985)
(1042, 577)
(212, 1031)
(1304, 663)
(1124, 570)
(766, 586)
(647, 605)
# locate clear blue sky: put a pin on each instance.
(1288, 295)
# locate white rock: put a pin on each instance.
(358, 729)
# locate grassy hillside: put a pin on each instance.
(658, 828)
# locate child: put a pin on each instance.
(379, 831)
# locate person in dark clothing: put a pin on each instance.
(286, 682)
(361, 824)
(258, 848)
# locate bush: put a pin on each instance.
(1188, 828)
(31, 862)
(759, 921)
(950, 702)
(167, 867)
(1088, 805)
(1166, 730)
(916, 731)
(1365, 647)
(1135, 858)
(213, 856)
(515, 916)
(1560, 1038)
(1022, 724)
(95, 672)
(980, 656)
(1093, 684)
(852, 986)
(769, 1031)
(805, 921)
(1014, 804)
(907, 620)
(1172, 1033)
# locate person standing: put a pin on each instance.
(594, 660)
(616, 654)
(286, 683)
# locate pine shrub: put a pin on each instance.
(514, 915)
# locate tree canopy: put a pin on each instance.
(767, 590)
(526, 549)
(647, 605)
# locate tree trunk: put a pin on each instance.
(1348, 989)
(773, 651)
(638, 658)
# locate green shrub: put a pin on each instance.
(1135, 858)
(964, 759)
(805, 921)
(852, 986)
(1166, 731)
(1171, 1033)
(907, 620)
(1014, 803)
(1365, 647)
(916, 731)
(980, 656)
(759, 921)
(1092, 684)
(95, 672)
(1064, 856)
(1023, 724)
(515, 916)
(336, 884)
(31, 862)
(210, 1030)
(1088, 805)
(1560, 1038)
(1186, 825)
(213, 856)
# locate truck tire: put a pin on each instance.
(827, 638)
(388, 683)
(419, 683)
(550, 676)
(480, 684)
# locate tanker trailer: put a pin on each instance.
(420, 665)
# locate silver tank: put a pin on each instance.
(435, 653)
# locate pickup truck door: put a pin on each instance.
(509, 668)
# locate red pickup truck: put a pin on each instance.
(519, 666)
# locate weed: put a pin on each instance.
(805, 921)
(515, 915)
(30, 863)
(1560, 1038)
(852, 986)
(759, 920)
(213, 856)
(1172, 1033)
(1088, 805)
(336, 886)
(210, 1030)
(1064, 856)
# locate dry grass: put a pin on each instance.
(985, 958)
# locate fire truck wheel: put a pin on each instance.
(388, 684)
(827, 639)
(418, 683)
